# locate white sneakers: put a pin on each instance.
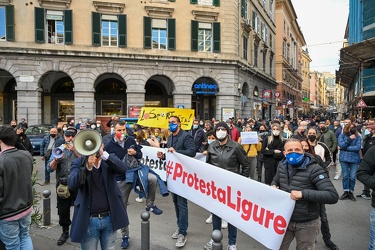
(209, 219)
(140, 200)
(337, 176)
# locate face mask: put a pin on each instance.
(173, 127)
(112, 131)
(53, 135)
(312, 137)
(13, 126)
(302, 132)
(342, 124)
(305, 127)
(210, 141)
(221, 134)
(98, 125)
(229, 125)
(120, 136)
(276, 132)
(294, 158)
(262, 131)
(201, 123)
(195, 126)
(156, 134)
(93, 126)
(64, 129)
(323, 129)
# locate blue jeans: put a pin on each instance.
(99, 229)
(15, 234)
(349, 174)
(181, 207)
(47, 174)
(372, 229)
(232, 230)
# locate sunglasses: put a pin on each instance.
(69, 133)
(221, 128)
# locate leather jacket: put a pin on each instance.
(230, 157)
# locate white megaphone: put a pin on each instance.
(58, 152)
(87, 142)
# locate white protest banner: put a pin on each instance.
(249, 138)
(257, 209)
(150, 159)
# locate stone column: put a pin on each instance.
(29, 101)
(135, 97)
(226, 101)
(84, 102)
(183, 99)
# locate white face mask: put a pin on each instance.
(93, 126)
(112, 131)
(276, 132)
(64, 129)
(221, 134)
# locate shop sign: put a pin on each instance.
(266, 93)
(205, 88)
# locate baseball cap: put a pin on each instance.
(71, 131)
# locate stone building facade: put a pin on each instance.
(91, 59)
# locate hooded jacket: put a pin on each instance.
(366, 171)
(312, 180)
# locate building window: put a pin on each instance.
(256, 47)
(244, 9)
(59, 25)
(2, 24)
(264, 59)
(284, 48)
(255, 22)
(245, 41)
(55, 26)
(159, 34)
(205, 36)
(264, 32)
(109, 31)
(271, 9)
(271, 63)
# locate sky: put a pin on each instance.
(323, 24)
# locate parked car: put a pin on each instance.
(36, 133)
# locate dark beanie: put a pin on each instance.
(222, 124)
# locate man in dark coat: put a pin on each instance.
(98, 208)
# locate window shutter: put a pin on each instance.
(243, 6)
(96, 33)
(171, 33)
(122, 31)
(68, 26)
(216, 37)
(194, 35)
(9, 21)
(194, 1)
(39, 25)
(172, 0)
(216, 3)
(147, 32)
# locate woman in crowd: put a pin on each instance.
(349, 144)
(272, 150)
(251, 151)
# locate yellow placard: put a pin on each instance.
(159, 117)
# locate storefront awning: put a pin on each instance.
(351, 59)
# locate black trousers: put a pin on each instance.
(324, 227)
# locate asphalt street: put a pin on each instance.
(349, 222)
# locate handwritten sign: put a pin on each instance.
(159, 117)
(249, 138)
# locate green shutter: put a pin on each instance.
(96, 33)
(39, 25)
(122, 31)
(194, 1)
(68, 26)
(172, 0)
(194, 35)
(216, 37)
(147, 30)
(216, 3)
(9, 21)
(171, 33)
(243, 6)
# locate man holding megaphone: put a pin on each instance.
(61, 161)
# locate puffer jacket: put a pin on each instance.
(366, 171)
(312, 180)
(349, 149)
(231, 157)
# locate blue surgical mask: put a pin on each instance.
(173, 127)
(294, 158)
(112, 131)
(195, 126)
(210, 141)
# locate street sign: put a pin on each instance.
(361, 104)
(277, 94)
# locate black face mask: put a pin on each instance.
(13, 126)
(53, 135)
(323, 129)
(312, 137)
